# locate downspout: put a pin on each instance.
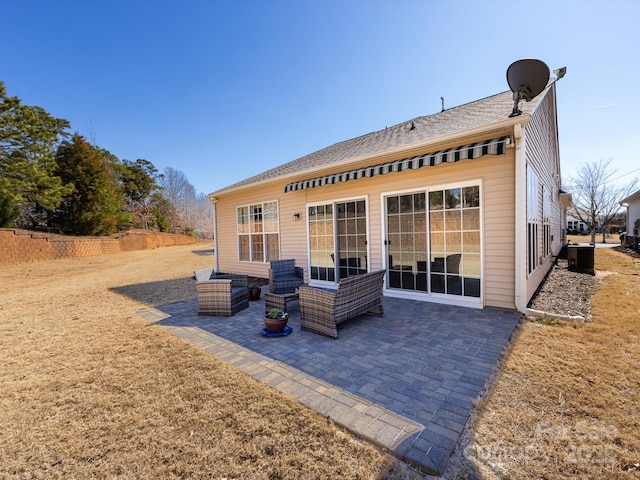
(521, 235)
(214, 202)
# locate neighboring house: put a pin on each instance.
(632, 202)
(460, 207)
(576, 226)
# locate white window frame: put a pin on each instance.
(472, 302)
(334, 201)
(546, 222)
(533, 220)
(253, 228)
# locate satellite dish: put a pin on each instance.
(526, 78)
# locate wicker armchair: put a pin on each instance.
(321, 310)
(284, 276)
(221, 295)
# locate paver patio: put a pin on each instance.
(406, 381)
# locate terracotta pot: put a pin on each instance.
(275, 325)
(254, 294)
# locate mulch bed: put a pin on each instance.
(565, 292)
(568, 292)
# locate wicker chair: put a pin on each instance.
(221, 295)
(321, 310)
(284, 276)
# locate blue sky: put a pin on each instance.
(223, 90)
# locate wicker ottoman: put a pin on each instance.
(275, 300)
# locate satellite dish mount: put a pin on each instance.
(526, 78)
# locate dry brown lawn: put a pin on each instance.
(567, 401)
(88, 389)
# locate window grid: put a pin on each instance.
(321, 242)
(258, 232)
(454, 237)
(546, 222)
(337, 240)
(433, 241)
(533, 221)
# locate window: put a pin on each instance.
(546, 222)
(258, 235)
(532, 221)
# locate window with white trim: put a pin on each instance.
(546, 222)
(532, 221)
(258, 232)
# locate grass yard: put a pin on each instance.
(90, 390)
(567, 402)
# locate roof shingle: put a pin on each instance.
(479, 113)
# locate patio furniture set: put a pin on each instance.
(321, 309)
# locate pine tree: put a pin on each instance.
(96, 204)
(28, 185)
(138, 183)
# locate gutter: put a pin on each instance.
(521, 235)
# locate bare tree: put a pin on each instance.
(596, 199)
(175, 186)
(176, 189)
(194, 212)
(203, 217)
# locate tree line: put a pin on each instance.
(53, 180)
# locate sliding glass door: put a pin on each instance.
(454, 240)
(337, 240)
(407, 242)
(433, 241)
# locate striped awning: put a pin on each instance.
(496, 146)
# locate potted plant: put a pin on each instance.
(254, 291)
(275, 320)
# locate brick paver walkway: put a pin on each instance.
(406, 382)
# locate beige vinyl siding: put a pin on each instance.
(293, 233)
(499, 232)
(495, 174)
(541, 153)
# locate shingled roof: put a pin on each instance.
(483, 112)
